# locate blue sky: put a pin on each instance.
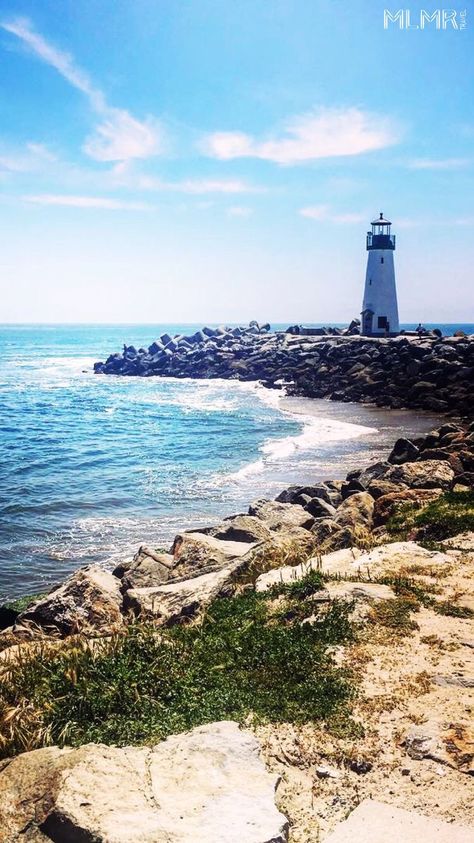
(201, 160)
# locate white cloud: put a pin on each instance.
(30, 158)
(323, 213)
(239, 211)
(87, 202)
(125, 177)
(438, 163)
(119, 136)
(329, 132)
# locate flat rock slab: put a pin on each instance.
(374, 822)
(399, 554)
(178, 600)
(338, 561)
(201, 786)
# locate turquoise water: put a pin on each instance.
(93, 466)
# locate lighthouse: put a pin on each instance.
(379, 308)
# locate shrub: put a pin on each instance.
(149, 683)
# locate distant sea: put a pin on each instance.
(93, 466)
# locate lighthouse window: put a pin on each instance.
(370, 282)
(382, 322)
(381, 260)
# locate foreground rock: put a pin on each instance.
(351, 562)
(451, 744)
(180, 601)
(205, 785)
(196, 552)
(372, 822)
(89, 602)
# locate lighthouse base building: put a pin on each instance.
(379, 308)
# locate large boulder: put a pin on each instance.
(427, 474)
(148, 568)
(194, 552)
(88, 601)
(176, 602)
(356, 511)
(241, 528)
(201, 786)
(281, 517)
(339, 561)
(403, 451)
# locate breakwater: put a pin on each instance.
(429, 372)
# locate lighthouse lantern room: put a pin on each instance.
(379, 308)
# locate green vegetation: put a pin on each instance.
(450, 514)
(22, 603)
(396, 615)
(239, 661)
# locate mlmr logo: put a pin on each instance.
(440, 19)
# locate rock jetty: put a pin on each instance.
(426, 372)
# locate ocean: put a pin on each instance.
(93, 466)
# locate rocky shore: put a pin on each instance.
(427, 372)
(391, 547)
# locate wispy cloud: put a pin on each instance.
(239, 211)
(27, 159)
(323, 213)
(87, 202)
(327, 133)
(124, 176)
(438, 163)
(119, 136)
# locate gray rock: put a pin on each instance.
(148, 568)
(88, 601)
(281, 517)
(201, 786)
(179, 601)
(241, 528)
(403, 451)
(193, 552)
(320, 509)
(428, 474)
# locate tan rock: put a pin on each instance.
(447, 743)
(356, 511)
(88, 601)
(373, 822)
(205, 785)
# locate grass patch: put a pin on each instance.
(395, 614)
(448, 607)
(448, 515)
(142, 686)
(300, 589)
(22, 603)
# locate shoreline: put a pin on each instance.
(427, 373)
(328, 453)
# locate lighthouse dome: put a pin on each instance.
(381, 220)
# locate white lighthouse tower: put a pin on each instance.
(379, 309)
